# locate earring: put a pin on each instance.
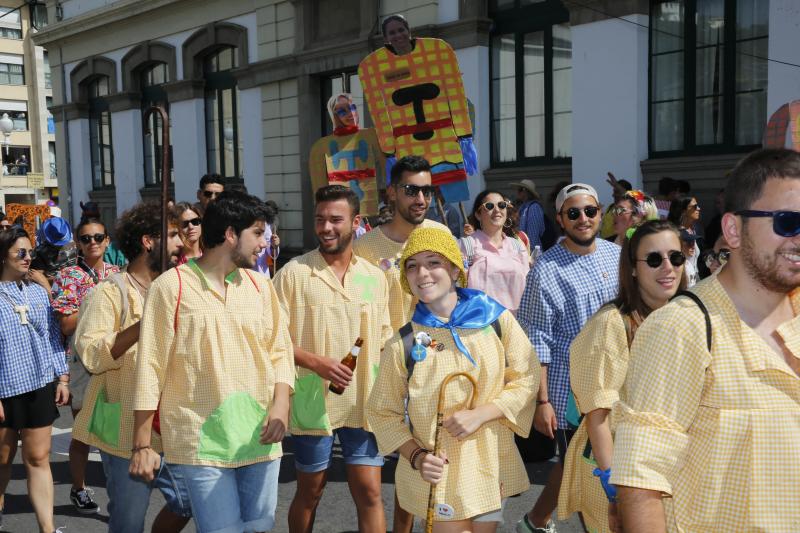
(507, 223)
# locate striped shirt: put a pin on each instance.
(31, 355)
(562, 291)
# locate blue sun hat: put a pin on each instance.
(56, 231)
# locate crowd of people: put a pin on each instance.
(671, 410)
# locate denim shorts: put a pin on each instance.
(129, 497)
(313, 453)
(232, 500)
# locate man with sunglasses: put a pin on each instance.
(411, 193)
(716, 429)
(567, 285)
(211, 186)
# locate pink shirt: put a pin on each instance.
(500, 273)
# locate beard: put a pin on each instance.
(340, 246)
(763, 267)
(405, 213)
(241, 259)
(579, 241)
(154, 257)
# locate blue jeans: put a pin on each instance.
(313, 453)
(232, 500)
(129, 497)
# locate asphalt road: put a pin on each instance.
(336, 513)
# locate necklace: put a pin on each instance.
(141, 289)
(21, 310)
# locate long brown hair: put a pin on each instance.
(629, 299)
(510, 227)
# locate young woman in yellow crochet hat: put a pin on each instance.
(454, 330)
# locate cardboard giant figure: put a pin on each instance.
(415, 96)
(351, 156)
(783, 127)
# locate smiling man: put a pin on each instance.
(333, 297)
(569, 282)
(215, 359)
(717, 430)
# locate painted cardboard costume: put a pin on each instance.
(350, 156)
(419, 107)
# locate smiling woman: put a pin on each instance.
(190, 229)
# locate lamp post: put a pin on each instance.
(6, 126)
(164, 178)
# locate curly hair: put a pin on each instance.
(138, 221)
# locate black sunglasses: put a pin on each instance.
(500, 205)
(574, 213)
(784, 223)
(654, 259)
(98, 238)
(414, 190)
(22, 253)
(211, 194)
(194, 222)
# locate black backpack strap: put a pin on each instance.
(407, 336)
(696, 299)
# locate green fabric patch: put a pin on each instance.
(376, 369)
(368, 286)
(308, 404)
(232, 431)
(105, 420)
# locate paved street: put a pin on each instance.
(336, 513)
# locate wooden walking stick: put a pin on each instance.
(437, 445)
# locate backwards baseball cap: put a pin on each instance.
(574, 189)
(56, 231)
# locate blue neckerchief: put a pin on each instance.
(474, 310)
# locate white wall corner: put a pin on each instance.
(250, 134)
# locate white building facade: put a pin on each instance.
(643, 89)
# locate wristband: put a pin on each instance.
(139, 448)
(65, 383)
(605, 477)
(415, 454)
(542, 402)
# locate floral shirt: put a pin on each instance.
(72, 284)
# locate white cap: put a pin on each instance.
(574, 189)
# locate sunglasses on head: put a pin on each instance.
(574, 213)
(343, 112)
(414, 190)
(211, 194)
(784, 223)
(720, 257)
(654, 259)
(502, 205)
(194, 222)
(98, 238)
(22, 253)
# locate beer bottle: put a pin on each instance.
(349, 361)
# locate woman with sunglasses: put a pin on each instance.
(70, 287)
(33, 374)
(189, 226)
(497, 260)
(629, 211)
(651, 271)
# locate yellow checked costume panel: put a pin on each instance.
(486, 466)
(719, 431)
(214, 373)
(417, 103)
(352, 159)
(108, 426)
(598, 365)
(383, 252)
(325, 318)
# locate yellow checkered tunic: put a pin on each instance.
(381, 251)
(325, 318)
(486, 466)
(231, 348)
(98, 325)
(719, 431)
(598, 364)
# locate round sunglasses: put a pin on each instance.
(98, 238)
(22, 253)
(654, 259)
(502, 205)
(574, 213)
(784, 223)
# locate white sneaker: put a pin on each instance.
(525, 526)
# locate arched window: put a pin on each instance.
(100, 145)
(151, 80)
(223, 150)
